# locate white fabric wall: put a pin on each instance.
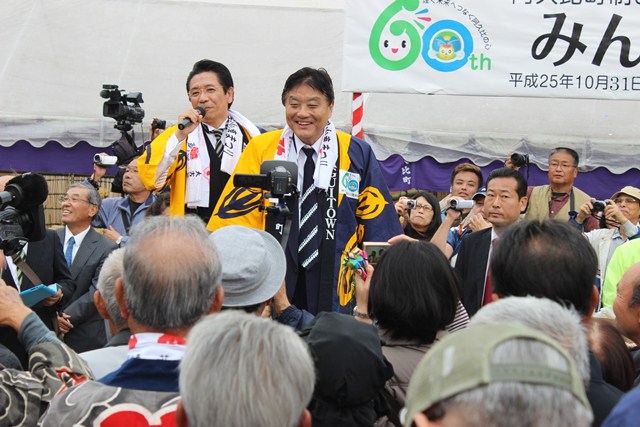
(56, 54)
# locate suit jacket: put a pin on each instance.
(88, 331)
(46, 259)
(471, 267)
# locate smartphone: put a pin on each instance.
(374, 250)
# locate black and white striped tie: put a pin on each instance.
(219, 144)
(309, 236)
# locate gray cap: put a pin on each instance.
(462, 362)
(253, 265)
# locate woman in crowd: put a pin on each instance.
(412, 296)
(421, 215)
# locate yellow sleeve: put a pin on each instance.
(240, 205)
(150, 163)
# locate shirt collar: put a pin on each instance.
(78, 237)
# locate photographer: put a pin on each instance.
(619, 216)
(118, 214)
(197, 159)
(423, 216)
(448, 237)
(560, 198)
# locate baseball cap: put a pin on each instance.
(629, 191)
(253, 264)
(462, 361)
(481, 192)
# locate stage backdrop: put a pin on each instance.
(530, 48)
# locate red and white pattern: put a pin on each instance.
(156, 346)
(357, 111)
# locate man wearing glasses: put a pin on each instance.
(621, 215)
(556, 200)
(118, 214)
(84, 251)
(197, 160)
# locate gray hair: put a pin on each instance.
(172, 272)
(257, 373)
(507, 404)
(110, 272)
(559, 323)
(94, 197)
(556, 321)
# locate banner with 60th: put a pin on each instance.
(533, 48)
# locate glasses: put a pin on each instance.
(210, 91)
(563, 165)
(626, 200)
(425, 208)
(65, 198)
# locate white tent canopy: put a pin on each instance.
(55, 55)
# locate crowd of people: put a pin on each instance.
(206, 301)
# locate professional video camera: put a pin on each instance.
(278, 177)
(118, 107)
(22, 212)
(279, 180)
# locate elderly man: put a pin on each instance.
(253, 267)
(197, 160)
(171, 279)
(109, 358)
(85, 250)
(621, 215)
(560, 198)
(118, 214)
(258, 373)
(343, 198)
(497, 375)
(505, 199)
(627, 310)
(551, 259)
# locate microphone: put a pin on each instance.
(187, 121)
(25, 191)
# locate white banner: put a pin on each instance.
(532, 48)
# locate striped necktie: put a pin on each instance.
(309, 236)
(218, 134)
(19, 273)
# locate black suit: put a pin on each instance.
(88, 331)
(46, 259)
(471, 266)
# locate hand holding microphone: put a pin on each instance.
(191, 117)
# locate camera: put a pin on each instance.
(278, 177)
(459, 205)
(411, 204)
(22, 212)
(519, 160)
(158, 124)
(102, 160)
(598, 206)
(122, 106)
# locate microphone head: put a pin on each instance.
(201, 111)
(29, 190)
